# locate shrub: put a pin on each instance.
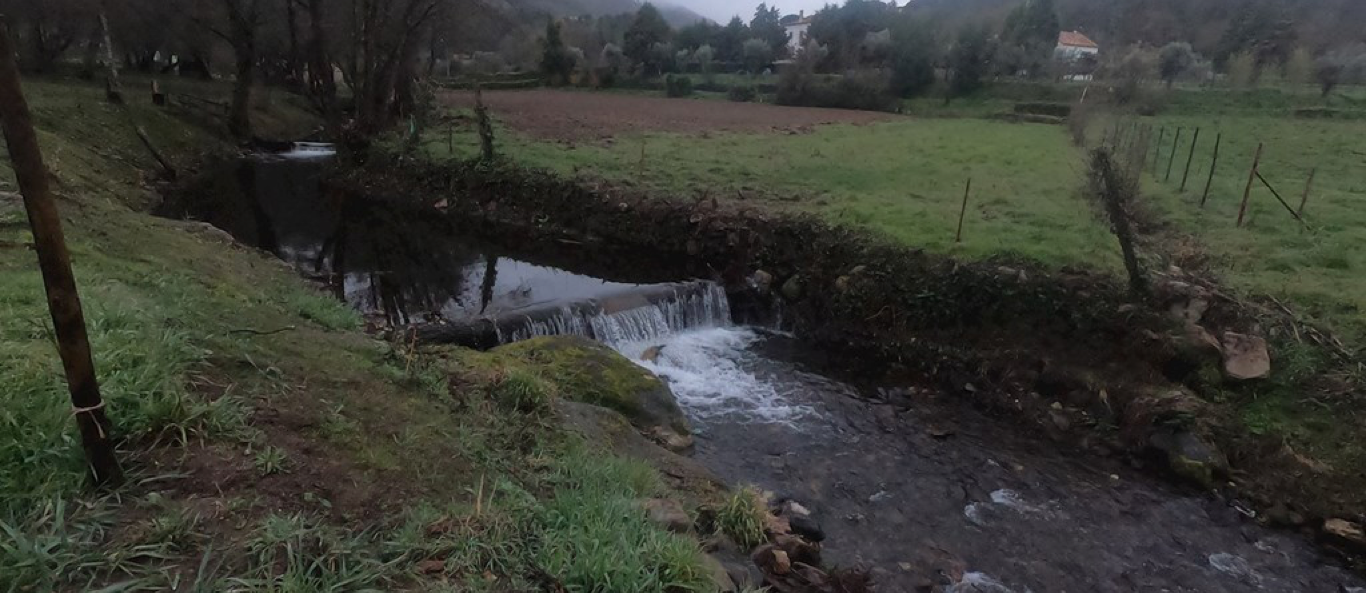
(1053, 109)
(523, 391)
(742, 518)
(866, 90)
(743, 93)
(677, 86)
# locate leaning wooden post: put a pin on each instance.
(962, 212)
(1308, 185)
(1251, 176)
(1189, 159)
(1171, 156)
(54, 260)
(1213, 161)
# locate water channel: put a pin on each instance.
(927, 486)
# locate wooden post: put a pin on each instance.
(1213, 161)
(962, 212)
(1157, 148)
(1251, 176)
(54, 260)
(1308, 185)
(1189, 159)
(1277, 194)
(158, 97)
(1171, 157)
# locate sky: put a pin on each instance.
(721, 10)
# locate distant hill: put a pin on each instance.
(1318, 24)
(677, 16)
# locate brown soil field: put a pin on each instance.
(586, 116)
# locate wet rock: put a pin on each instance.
(1189, 310)
(652, 353)
(761, 281)
(1281, 515)
(667, 513)
(1191, 458)
(1345, 533)
(681, 444)
(792, 289)
(718, 575)
(807, 527)
(1060, 420)
(771, 560)
(1245, 357)
(798, 549)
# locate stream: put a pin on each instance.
(927, 487)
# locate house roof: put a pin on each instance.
(1075, 39)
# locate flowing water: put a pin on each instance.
(929, 487)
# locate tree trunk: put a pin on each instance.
(114, 94)
(239, 113)
(322, 81)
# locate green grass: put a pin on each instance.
(904, 179)
(742, 518)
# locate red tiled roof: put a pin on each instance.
(1075, 39)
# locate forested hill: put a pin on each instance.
(1214, 27)
(677, 16)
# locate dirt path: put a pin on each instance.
(580, 115)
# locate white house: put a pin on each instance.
(796, 32)
(1073, 45)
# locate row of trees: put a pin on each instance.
(375, 47)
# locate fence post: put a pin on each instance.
(1171, 157)
(1307, 186)
(1189, 159)
(962, 212)
(64, 303)
(1157, 148)
(1213, 161)
(1251, 176)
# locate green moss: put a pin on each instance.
(589, 372)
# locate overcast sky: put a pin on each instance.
(721, 10)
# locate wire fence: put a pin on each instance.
(1169, 155)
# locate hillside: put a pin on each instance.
(1316, 24)
(678, 16)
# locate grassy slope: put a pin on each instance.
(305, 460)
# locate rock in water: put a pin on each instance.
(652, 353)
(1245, 357)
(1345, 533)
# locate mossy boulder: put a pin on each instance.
(589, 372)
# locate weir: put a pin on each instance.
(648, 313)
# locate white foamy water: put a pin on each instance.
(1235, 566)
(707, 371)
(310, 150)
(976, 582)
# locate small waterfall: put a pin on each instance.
(628, 318)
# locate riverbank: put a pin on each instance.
(1067, 353)
(270, 444)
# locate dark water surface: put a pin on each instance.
(904, 490)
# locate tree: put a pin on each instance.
(913, 58)
(557, 63)
(706, 63)
(697, 35)
(1173, 60)
(1243, 70)
(730, 41)
(758, 55)
(1328, 73)
(1031, 34)
(1299, 67)
(1264, 30)
(844, 29)
(767, 26)
(647, 30)
(968, 60)
(237, 22)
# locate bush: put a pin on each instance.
(1053, 109)
(863, 90)
(677, 86)
(742, 517)
(743, 93)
